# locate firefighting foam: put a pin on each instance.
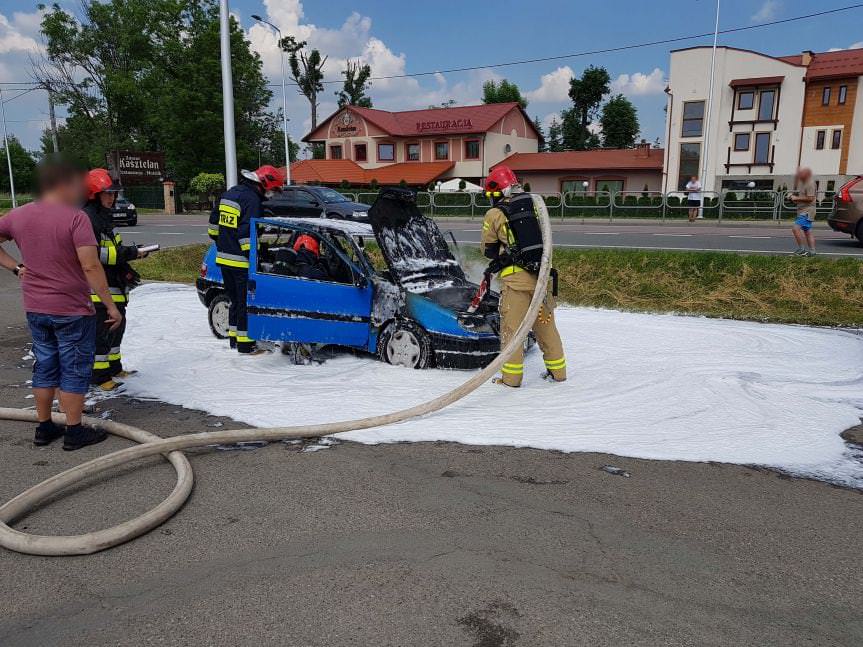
(649, 386)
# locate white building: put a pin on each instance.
(770, 115)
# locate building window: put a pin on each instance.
(612, 186)
(843, 94)
(412, 152)
(825, 96)
(820, 138)
(471, 149)
(441, 151)
(767, 105)
(836, 141)
(690, 158)
(762, 148)
(361, 153)
(746, 100)
(386, 152)
(693, 119)
(575, 186)
(741, 141)
(336, 152)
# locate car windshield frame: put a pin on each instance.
(327, 193)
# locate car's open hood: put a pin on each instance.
(412, 245)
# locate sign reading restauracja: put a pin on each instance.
(137, 167)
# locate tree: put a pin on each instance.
(502, 92)
(353, 92)
(554, 141)
(306, 71)
(23, 168)
(543, 143)
(619, 123)
(586, 93)
(146, 75)
(207, 184)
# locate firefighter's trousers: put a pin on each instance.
(514, 304)
(108, 361)
(236, 283)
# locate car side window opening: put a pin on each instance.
(276, 255)
(306, 198)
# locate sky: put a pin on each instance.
(399, 38)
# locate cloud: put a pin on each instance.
(640, 84)
(553, 87)
(857, 45)
(14, 33)
(768, 11)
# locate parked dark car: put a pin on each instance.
(124, 212)
(315, 202)
(847, 215)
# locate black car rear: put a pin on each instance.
(124, 212)
(315, 202)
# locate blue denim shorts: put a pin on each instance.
(803, 222)
(64, 348)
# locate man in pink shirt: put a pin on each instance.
(60, 265)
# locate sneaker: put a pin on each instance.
(124, 374)
(808, 252)
(108, 386)
(46, 433)
(79, 436)
(799, 252)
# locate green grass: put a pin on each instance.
(817, 291)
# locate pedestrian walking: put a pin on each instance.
(805, 198)
(693, 198)
(59, 267)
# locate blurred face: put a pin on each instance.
(694, 178)
(71, 191)
(107, 199)
(804, 174)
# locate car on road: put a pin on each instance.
(409, 308)
(124, 212)
(847, 215)
(315, 202)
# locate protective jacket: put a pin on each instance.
(113, 254)
(512, 238)
(230, 222)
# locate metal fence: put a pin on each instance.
(730, 205)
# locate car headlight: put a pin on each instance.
(361, 214)
(130, 206)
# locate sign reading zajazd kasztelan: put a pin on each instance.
(137, 167)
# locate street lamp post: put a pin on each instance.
(707, 120)
(284, 98)
(8, 152)
(227, 94)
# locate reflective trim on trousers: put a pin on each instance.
(512, 369)
(555, 364)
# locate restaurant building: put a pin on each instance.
(417, 146)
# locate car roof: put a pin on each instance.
(347, 227)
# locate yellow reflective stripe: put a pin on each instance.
(232, 263)
(485, 226)
(116, 298)
(227, 208)
(512, 369)
(232, 333)
(98, 365)
(112, 255)
(556, 364)
(512, 269)
(244, 339)
(213, 231)
(114, 357)
(245, 247)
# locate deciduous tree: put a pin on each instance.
(306, 71)
(502, 92)
(619, 123)
(353, 92)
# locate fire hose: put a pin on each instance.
(171, 448)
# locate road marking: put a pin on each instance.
(753, 237)
(599, 233)
(675, 235)
(169, 233)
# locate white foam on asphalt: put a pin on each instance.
(648, 386)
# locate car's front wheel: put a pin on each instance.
(404, 343)
(217, 314)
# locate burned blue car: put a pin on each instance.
(410, 307)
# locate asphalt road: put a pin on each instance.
(423, 544)
(759, 238)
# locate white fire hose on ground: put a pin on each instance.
(171, 448)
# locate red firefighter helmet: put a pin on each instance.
(269, 177)
(99, 181)
(309, 243)
(499, 180)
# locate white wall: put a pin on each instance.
(855, 153)
(689, 80)
(824, 161)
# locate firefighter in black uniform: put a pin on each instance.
(230, 223)
(115, 256)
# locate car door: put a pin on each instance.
(293, 309)
(281, 204)
(307, 204)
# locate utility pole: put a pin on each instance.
(227, 94)
(8, 152)
(53, 119)
(707, 122)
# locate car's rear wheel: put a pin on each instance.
(858, 232)
(217, 314)
(404, 343)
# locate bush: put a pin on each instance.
(373, 185)
(344, 185)
(208, 184)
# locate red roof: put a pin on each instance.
(831, 65)
(334, 171)
(458, 120)
(627, 159)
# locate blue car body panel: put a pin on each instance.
(293, 309)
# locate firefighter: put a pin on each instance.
(115, 256)
(230, 223)
(512, 241)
